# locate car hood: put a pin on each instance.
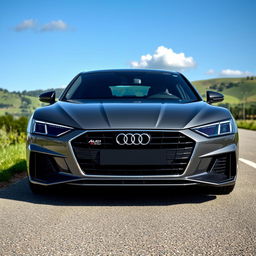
(131, 115)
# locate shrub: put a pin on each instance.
(11, 138)
(12, 131)
(247, 124)
(12, 124)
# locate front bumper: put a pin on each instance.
(66, 169)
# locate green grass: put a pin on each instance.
(12, 160)
(247, 124)
(203, 85)
(16, 104)
(12, 99)
(246, 89)
(230, 99)
(237, 94)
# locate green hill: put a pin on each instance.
(36, 93)
(21, 103)
(17, 104)
(235, 90)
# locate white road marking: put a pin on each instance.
(252, 164)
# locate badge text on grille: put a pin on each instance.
(94, 142)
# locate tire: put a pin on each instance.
(37, 189)
(221, 190)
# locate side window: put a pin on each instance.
(73, 88)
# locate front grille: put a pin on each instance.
(173, 148)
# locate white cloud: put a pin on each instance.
(54, 25)
(230, 72)
(165, 58)
(210, 72)
(25, 25)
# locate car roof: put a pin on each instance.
(131, 70)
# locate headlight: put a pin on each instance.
(49, 129)
(216, 129)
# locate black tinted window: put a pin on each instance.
(134, 85)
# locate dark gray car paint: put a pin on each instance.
(134, 116)
(131, 115)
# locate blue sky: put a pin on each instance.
(45, 44)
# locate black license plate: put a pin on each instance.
(133, 157)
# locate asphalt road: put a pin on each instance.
(133, 221)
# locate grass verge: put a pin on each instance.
(12, 161)
(247, 124)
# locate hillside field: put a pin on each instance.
(235, 90)
(17, 104)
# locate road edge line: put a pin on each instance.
(248, 162)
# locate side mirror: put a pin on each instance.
(213, 97)
(48, 97)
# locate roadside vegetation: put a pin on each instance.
(247, 124)
(12, 146)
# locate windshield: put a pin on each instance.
(131, 85)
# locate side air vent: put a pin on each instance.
(45, 167)
(224, 165)
(220, 165)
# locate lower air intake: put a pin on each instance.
(224, 165)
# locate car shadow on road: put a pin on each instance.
(107, 196)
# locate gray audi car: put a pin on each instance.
(132, 128)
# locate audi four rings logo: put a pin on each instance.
(133, 139)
